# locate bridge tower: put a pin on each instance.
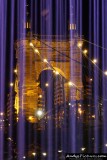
(41, 58)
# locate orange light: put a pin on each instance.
(30, 118)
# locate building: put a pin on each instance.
(42, 60)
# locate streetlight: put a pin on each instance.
(40, 113)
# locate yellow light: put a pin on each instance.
(1, 114)
(85, 51)
(80, 105)
(70, 83)
(11, 84)
(83, 149)
(93, 116)
(45, 60)
(105, 73)
(31, 44)
(94, 60)
(15, 70)
(79, 111)
(80, 44)
(40, 96)
(36, 50)
(46, 84)
(56, 72)
(44, 154)
(30, 117)
(34, 154)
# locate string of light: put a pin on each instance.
(84, 52)
(47, 62)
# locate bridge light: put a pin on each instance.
(45, 60)
(31, 44)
